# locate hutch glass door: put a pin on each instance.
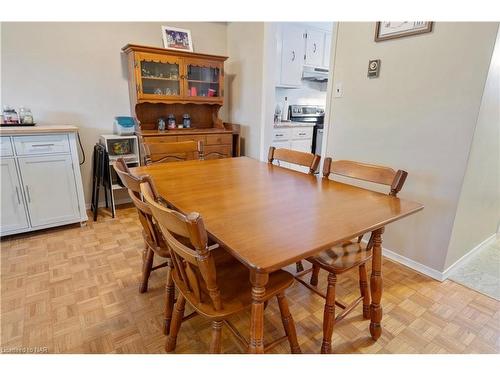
(159, 77)
(203, 79)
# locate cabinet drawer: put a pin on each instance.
(183, 138)
(6, 147)
(41, 144)
(219, 139)
(302, 133)
(217, 151)
(281, 134)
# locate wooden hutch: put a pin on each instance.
(163, 82)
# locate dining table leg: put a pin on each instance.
(259, 281)
(376, 285)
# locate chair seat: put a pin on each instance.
(233, 280)
(342, 257)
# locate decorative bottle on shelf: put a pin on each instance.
(284, 114)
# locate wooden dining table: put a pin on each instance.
(269, 217)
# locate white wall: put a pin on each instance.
(244, 80)
(419, 115)
(478, 212)
(74, 73)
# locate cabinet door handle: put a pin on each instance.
(18, 198)
(279, 135)
(43, 145)
(293, 55)
(28, 193)
(302, 133)
(314, 45)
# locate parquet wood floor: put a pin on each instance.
(75, 290)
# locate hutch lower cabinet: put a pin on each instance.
(41, 186)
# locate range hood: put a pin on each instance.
(313, 73)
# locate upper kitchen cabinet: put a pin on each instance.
(298, 45)
(292, 55)
(327, 49)
(315, 42)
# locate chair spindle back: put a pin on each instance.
(304, 159)
(161, 152)
(366, 172)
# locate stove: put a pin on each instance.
(311, 114)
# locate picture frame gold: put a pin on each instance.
(387, 30)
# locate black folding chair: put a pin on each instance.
(101, 177)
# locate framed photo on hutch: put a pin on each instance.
(178, 39)
(386, 30)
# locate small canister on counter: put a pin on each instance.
(25, 116)
(10, 115)
(186, 120)
(171, 121)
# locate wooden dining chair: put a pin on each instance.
(162, 152)
(216, 287)
(303, 159)
(153, 239)
(349, 254)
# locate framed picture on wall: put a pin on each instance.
(398, 29)
(178, 39)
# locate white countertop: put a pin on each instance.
(37, 129)
(293, 124)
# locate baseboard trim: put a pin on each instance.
(428, 271)
(410, 263)
(467, 255)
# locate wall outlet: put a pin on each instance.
(338, 90)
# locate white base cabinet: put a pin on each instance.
(41, 185)
(13, 215)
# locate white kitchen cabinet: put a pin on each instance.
(41, 182)
(299, 45)
(327, 50)
(49, 188)
(303, 145)
(13, 213)
(315, 42)
(292, 55)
